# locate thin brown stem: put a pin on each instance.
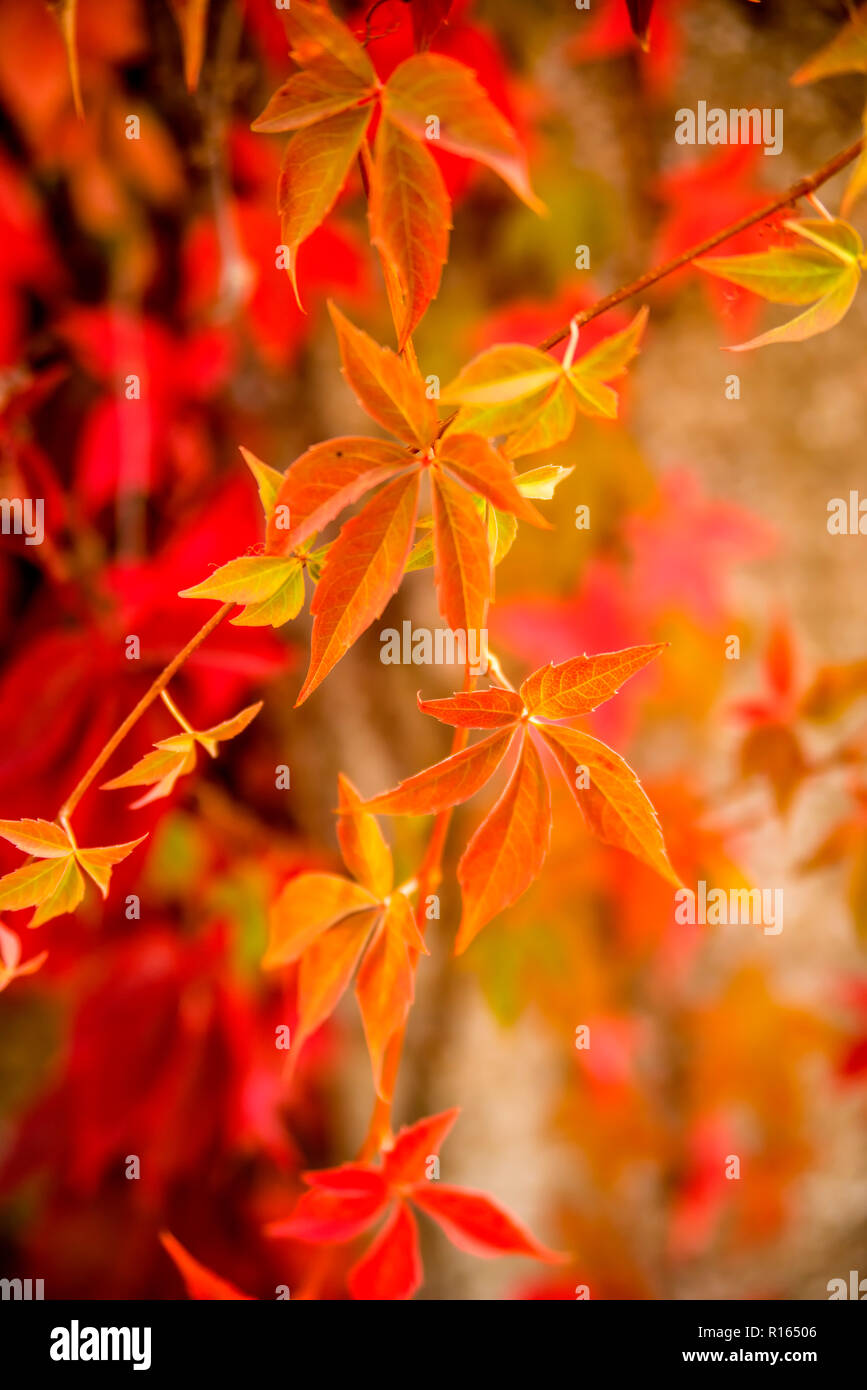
(802, 189)
(152, 693)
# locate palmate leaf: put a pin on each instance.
(825, 275)
(341, 1203)
(173, 757)
(334, 926)
(410, 221)
(528, 396)
(508, 849)
(54, 885)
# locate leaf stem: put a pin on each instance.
(152, 693)
(802, 189)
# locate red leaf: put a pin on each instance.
(391, 1268)
(508, 849)
(477, 1225)
(201, 1282)
(341, 1203)
(448, 783)
(362, 572)
(325, 480)
(405, 1160)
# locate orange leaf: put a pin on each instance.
(614, 804)
(99, 862)
(201, 1282)
(581, 684)
(327, 968)
(386, 386)
(448, 783)
(319, 40)
(469, 123)
(307, 907)
(384, 990)
(325, 480)
(410, 220)
(315, 167)
(191, 17)
(310, 96)
(41, 837)
(508, 849)
(362, 572)
(476, 709)
(462, 564)
(362, 844)
(481, 467)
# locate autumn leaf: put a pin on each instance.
(487, 472)
(268, 480)
(508, 849)
(410, 220)
(363, 570)
(191, 17)
(315, 167)
(10, 958)
(201, 1282)
(271, 588)
(462, 558)
(362, 844)
(306, 908)
(430, 84)
(826, 275)
(54, 885)
(384, 987)
(341, 1203)
(386, 386)
(320, 41)
(529, 396)
(325, 480)
(613, 803)
(448, 783)
(175, 756)
(580, 685)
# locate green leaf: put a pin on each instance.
(821, 316)
(249, 579)
(268, 480)
(283, 605)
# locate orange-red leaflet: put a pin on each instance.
(333, 925)
(344, 1202)
(508, 849)
(201, 1282)
(171, 757)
